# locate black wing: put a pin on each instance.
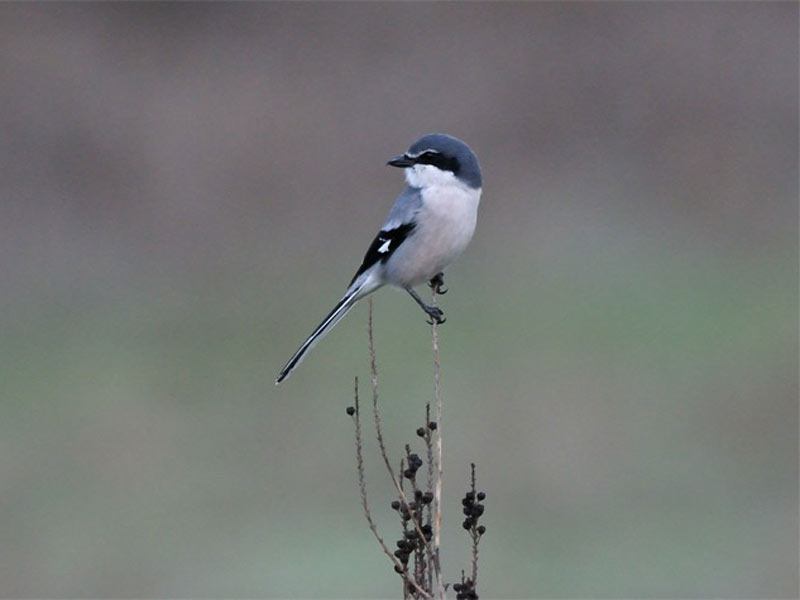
(383, 246)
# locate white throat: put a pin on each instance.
(424, 176)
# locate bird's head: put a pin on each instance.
(439, 159)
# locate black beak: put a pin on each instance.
(401, 160)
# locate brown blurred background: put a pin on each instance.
(187, 188)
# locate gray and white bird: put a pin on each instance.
(429, 225)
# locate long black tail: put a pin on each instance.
(339, 311)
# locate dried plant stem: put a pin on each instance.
(365, 504)
(429, 508)
(437, 495)
(362, 484)
(474, 534)
(379, 429)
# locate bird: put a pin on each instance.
(429, 225)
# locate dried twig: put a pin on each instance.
(397, 481)
(378, 429)
(398, 567)
(473, 532)
(423, 578)
(427, 434)
(473, 510)
(437, 494)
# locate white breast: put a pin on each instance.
(445, 224)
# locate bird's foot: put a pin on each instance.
(435, 314)
(437, 284)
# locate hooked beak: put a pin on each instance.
(401, 160)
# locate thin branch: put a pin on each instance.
(378, 429)
(437, 495)
(428, 508)
(362, 484)
(367, 513)
(405, 529)
(474, 533)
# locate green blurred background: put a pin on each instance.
(187, 189)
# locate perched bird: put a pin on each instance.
(429, 225)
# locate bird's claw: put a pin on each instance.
(437, 284)
(436, 315)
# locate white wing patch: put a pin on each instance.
(385, 246)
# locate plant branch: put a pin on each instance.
(398, 567)
(474, 533)
(437, 495)
(429, 510)
(379, 429)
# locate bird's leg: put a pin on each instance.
(433, 312)
(437, 284)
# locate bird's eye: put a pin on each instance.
(438, 160)
(429, 157)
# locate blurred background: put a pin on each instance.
(187, 189)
